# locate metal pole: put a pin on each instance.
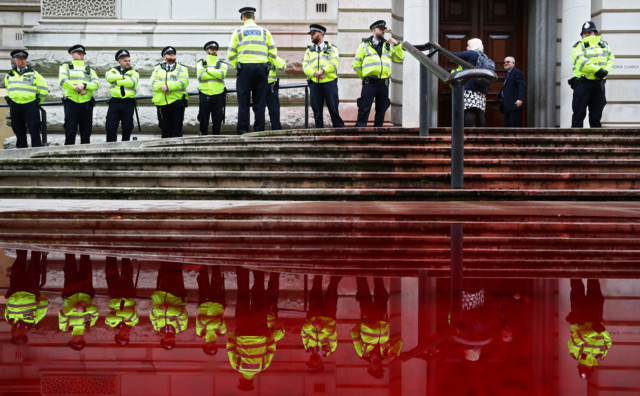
(306, 107)
(424, 101)
(457, 135)
(456, 273)
(43, 125)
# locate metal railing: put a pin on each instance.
(457, 80)
(43, 112)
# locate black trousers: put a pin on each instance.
(77, 279)
(171, 117)
(119, 281)
(210, 288)
(377, 89)
(323, 304)
(588, 94)
(513, 119)
(474, 117)
(211, 106)
(25, 117)
(77, 115)
(171, 280)
(120, 112)
(326, 92)
(273, 105)
(373, 308)
(251, 83)
(25, 277)
(253, 306)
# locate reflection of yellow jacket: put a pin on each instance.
(588, 346)
(367, 336)
(250, 355)
(210, 321)
(324, 340)
(176, 314)
(122, 310)
(78, 322)
(26, 307)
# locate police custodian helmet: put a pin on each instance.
(589, 26)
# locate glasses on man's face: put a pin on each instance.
(508, 62)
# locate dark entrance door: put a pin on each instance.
(502, 27)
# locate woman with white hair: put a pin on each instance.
(475, 95)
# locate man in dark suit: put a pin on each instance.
(512, 94)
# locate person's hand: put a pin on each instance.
(601, 74)
(79, 88)
(393, 41)
(165, 89)
(518, 103)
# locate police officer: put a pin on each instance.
(169, 81)
(373, 65)
(592, 61)
(273, 89)
(251, 49)
(211, 72)
(79, 81)
(26, 89)
(123, 80)
(320, 65)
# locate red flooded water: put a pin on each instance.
(497, 337)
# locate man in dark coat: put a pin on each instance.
(512, 94)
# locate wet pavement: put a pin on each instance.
(133, 298)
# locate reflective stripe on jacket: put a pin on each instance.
(368, 63)
(588, 346)
(367, 336)
(324, 340)
(176, 314)
(590, 55)
(251, 44)
(123, 85)
(77, 322)
(122, 310)
(26, 87)
(26, 307)
(326, 60)
(211, 74)
(76, 73)
(210, 321)
(277, 64)
(176, 80)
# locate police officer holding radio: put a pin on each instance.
(78, 81)
(251, 51)
(592, 61)
(26, 88)
(123, 82)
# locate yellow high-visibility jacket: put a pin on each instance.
(77, 322)
(25, 87)
(176, 314)
(210, 321)
(176, 80)
(124, 84)
(368, 63)
(250, 355)
(26, 307)
(211, 73)
(251, 44)
(277, 64)
(590, 55)
(74, 73)
(588, 346)
(324, 340)
(326, 60)
(122, 310)
(367, 336)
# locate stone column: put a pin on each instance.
(574, 14)
(416, 31)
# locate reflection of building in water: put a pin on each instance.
(142, 367)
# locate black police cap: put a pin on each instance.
(211, 44)
(588, 27)
(246, 10)
(121, 53)
(19, 54)
(76, 48)
(168, 49)
(317, 28)
(378, 24)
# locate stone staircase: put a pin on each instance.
(348, 164)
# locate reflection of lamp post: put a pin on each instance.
(456, 273)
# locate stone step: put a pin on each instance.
(325, 164)
(317, 180)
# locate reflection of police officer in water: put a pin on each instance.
(592, 61)
(590, 341)
(79, 312)
(123, 314)
(210, 321)
(169, 313)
